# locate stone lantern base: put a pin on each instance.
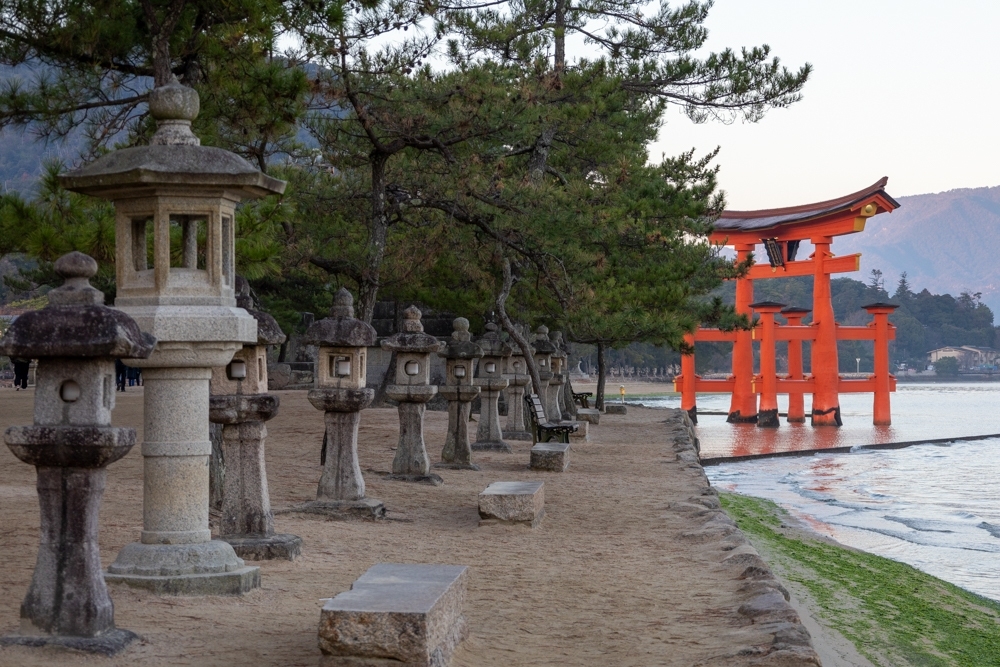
(411, 463)
(365, 508)
(206, 568)
(107, 644)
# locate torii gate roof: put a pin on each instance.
(757, 221)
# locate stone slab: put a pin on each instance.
(512, 502)
(582, 432)
(591, 415)
(492, 446)
(455, 466)
(550, 456)
(237, 582)
(615, 409)
(402, 615)
(108, 643)
(369, 509)
(281, 546)
(432, 479)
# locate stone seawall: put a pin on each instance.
(763, 602)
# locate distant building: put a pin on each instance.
(969, 356)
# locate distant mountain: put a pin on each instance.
(947, 243)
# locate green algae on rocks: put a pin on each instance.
(893, 613)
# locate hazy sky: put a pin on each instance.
(901, 88)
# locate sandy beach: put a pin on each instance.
(627, 568)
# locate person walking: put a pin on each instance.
(21, 367)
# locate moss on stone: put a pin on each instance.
(894, 613)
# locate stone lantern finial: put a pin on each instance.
(76, 269)
(174, 106)
(411, 320)
(343, 304)
(461, 332)
(542, 332)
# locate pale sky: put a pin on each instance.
(901, 88)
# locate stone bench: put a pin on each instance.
(404, 615)
(582, 432)
(591, 415)
(512, 502)
(551, 456)
(616, 409)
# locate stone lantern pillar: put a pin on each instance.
(543, 358)
(412, 390)
(240, 403)
(489, 377)
(557, 385)
(179, 288)
(518, 377)
(76, 340)
(340, 392)
(460, 361)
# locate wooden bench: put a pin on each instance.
(542, 430)
(583, 398)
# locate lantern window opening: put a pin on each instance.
(340, 366)
(188, 242)
(69, 391)
(491, 367)
(411, 368)
(227, 250)
(260, 367)
(142, 243)
(460, 371)
(237, 370)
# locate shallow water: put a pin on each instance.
(934, 506)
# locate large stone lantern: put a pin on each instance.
(240, 403)
(544, 349)
(554, 402)
(174, 233)
(460, 361)
(76, 340)
(517, 374)
(340, 392)
(490, 378)
(412, 390)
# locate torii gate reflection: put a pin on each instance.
(780, 231)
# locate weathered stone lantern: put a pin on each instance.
(491, 380)
(518, 377)
(340, 392)
(240, 403)
(554, 404)
(76, 340)
(412, 390)
(174, 233)
(543, 358)
(460, 361)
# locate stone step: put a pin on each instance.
(550, 456)
(512, 502)
(591, 415)
(405, 615)
(615, 409)
(582, 432)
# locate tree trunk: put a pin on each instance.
(512, 331)
(602, 369)
(387, 379)
(559, 37)
(377, 233)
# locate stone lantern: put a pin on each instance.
(240, 403)
(555, 403)
(76, 340)
(518, 377)
(175, 207)
(460, 361)
(543, 358)
(340, 392)
(491, 380)
(412, 390)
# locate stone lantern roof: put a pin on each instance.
(412, 338)
(174, 157)
(268, 331)
(491, 343)
(557, 339)
(76, 323)
(341, 328)
(542, 344)
(461, 346)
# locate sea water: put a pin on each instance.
(933, 506)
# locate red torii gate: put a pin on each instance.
(780, 231)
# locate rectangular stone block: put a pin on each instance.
(616, 409)
(591, 415)
(551, 456)
(512, 502)
(394, 614)
(582, 432)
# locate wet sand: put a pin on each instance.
(620, 572)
